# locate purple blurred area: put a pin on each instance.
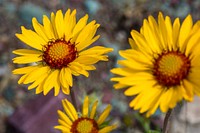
(38, 115)
(21, 111)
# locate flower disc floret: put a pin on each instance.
(84, 125)
(59, 53)
(170, 68)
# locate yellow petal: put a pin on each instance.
(133, 64)
(48, 85)
(54, 26)
(64, 117)
(86, 43)
(85, 107)
(80, 25)
(154, 107)
(23, 78)
(107, 129)
(39, 29)
(96, 50)
(185, 31)
(77, 68)
(89, 60)
(153, 24)
(104, 115)
(86, 36)
(37, 73)
(136, 79)
(195, 28)
(57, 86)
(66, 90)
(62, 79)
(152, 91)
(59, 24)
(38, 81)
(86, 31)
(141, 42)
(132, 54)
(39, 89)
(63, 123)
(175, 98)
(122, 71)
(119, 86)
(195, 58)
(149, 104)
(48, 27)
(132, 43)
(175, 33)
(24, 70)
(165, 99)
(27, 59)
(168, 24)
(68, 76)
(70, 22)
(189, 89)
(192, 44)
(70, 110)
(27, 37)
(133, 90)
(163, 31)
(93, 111)
(63, 129)
(151, 38)
(27, 52)
(89, 67)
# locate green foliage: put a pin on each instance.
(145, 122)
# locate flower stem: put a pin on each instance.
(166, 120)
(73, 98)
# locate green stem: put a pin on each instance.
(166, 120)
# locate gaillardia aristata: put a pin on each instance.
(163, 65)
(59, 51)
(70, 122)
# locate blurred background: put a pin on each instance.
(22, 111)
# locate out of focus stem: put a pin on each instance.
(73, 98)
(166, 120)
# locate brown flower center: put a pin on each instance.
(59, 53)
(170, 68)
(84, 125)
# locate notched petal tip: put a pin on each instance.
(73, 12)
(87, 16)
(160, 14)
(34, 20)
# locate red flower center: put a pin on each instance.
(84, 125)
(171, 67)
(59, 53)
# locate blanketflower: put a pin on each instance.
(163, 66)
(59, 51)
(70, 122)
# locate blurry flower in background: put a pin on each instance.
(71, 122)
(163, 66)
(59, 52)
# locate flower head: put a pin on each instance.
(71, 122)
(163, 66)
(59, 51)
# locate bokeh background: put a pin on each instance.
(21, 111)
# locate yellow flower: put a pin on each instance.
(86, 122)
(59, 52)
(163, 66)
